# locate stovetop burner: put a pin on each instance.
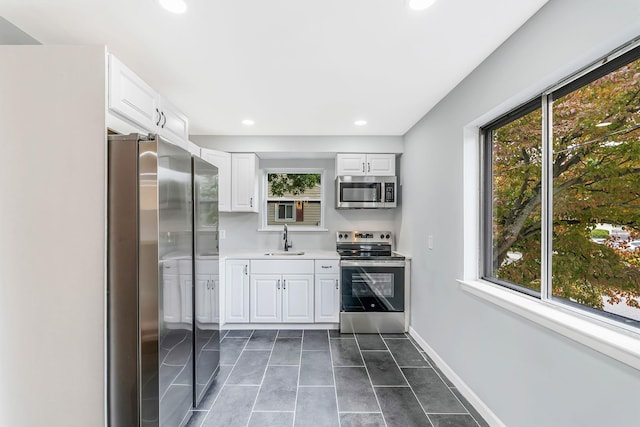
(366, 245)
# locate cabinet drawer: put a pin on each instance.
(327, 266)
(170, 267)
(260, 266)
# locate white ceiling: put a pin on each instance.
(296, 67)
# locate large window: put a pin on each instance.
(293, 197)
(561, 193)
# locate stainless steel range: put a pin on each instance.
(375, 291)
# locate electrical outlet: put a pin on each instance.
(222, 234)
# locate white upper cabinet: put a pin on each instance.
(134, 100)
(351, 164)
(173, 125)
(381, 164)
(358, 164)
(237, 180)
(222, 161)
(244, 182)
(131, 97)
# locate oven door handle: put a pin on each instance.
(380, 263)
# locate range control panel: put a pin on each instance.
(364, 237)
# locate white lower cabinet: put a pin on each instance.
(297, 298)
(186, 298)
(327, 298)
(171, 308)
(266, 298)
(281, 298)
(207, 304)
(237, 291)
(282, 291)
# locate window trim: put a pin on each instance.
(597, 69)
(264, 212)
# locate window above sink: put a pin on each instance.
(294, 197)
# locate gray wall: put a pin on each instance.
(528, 375)
(242, 228)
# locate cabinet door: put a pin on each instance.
(222, 161)
(297, 298)
(351, 164)
(173, 124)
(186, 299)
(244, 182)
(202, 308)
(237, 291)
(266, 298)
(214, 299)
(131, 97)
(327, 301)
(171, 298)
(381, 164)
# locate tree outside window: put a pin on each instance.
(595, 197)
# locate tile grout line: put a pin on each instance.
(461, 403)
(264, 374)
(437, 372)
(226, 379)
(295, 404)
(335, 383)
(410, 388)
(384, 419)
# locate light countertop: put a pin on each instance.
(254, 254)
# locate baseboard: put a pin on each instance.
(245, 326)
(462, 387)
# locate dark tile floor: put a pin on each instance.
(314, 378)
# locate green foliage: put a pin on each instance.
(294, 184)
(599, 233)
(596, 179)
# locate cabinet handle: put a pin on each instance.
(284, 284)
(362, 167)
(245, 269)
(250, 202)
(165, 120)
(213, 284)
(368, 167)
(278, 285)
(337, 284)
(159, 117)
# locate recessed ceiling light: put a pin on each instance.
(360, 122)
(174, 6)
(603, 124)
(420, 4)
(248, 122)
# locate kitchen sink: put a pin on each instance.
(279, 253)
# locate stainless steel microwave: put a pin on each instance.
(366, 192)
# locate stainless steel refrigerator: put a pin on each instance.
(163, 338)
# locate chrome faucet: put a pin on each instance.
(287, 245)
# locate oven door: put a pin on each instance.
(372, 286)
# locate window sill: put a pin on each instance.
(294, 229)
(617, 343)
